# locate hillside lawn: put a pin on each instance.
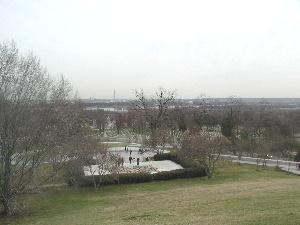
(238, 194)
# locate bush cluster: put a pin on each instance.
(165, 156)
(129, 178)
(132, 178)
(190, 170)
(175, 158)
(181, 173)
(72, 172)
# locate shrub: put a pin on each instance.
(86, 181)
(128, 178)
(164, 156)
(175, 158)
(134, 178)
(72, 172)
(167, 175)
(131, 178)
(191, 169)
(180, 173)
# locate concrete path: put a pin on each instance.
(149, 167)
(134, 153)
(289, 166)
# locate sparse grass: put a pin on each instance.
(236, 195)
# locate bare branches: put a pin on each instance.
(36, 116)
(154, 110)
(204, 149)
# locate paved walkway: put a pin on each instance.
(149, 167)
(134, 153)
(289, 166)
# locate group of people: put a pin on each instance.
(131, 159)
(126, 150)
(137, 160)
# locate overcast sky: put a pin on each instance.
(220, 48)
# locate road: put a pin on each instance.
(289, 166)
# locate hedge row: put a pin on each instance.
(165, 156)
(180, 173)
(175, 158)
(129, 178)
(142, 177)
(74, 177)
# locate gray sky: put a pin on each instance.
(220, 48)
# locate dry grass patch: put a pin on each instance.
(237, 195)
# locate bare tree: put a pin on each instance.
(106, 163)
(36, 116)
(163, 138)
(203, 149)
(88, 154)
(119, 120)
(98, 117)
(154, 110)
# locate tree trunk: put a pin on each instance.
(8, 198)
(9, 206)
(208, 173)
(233, 149)
(95, 183)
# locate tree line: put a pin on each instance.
(44, 125)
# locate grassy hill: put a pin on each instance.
(236, 195)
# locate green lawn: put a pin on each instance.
(236, 195)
